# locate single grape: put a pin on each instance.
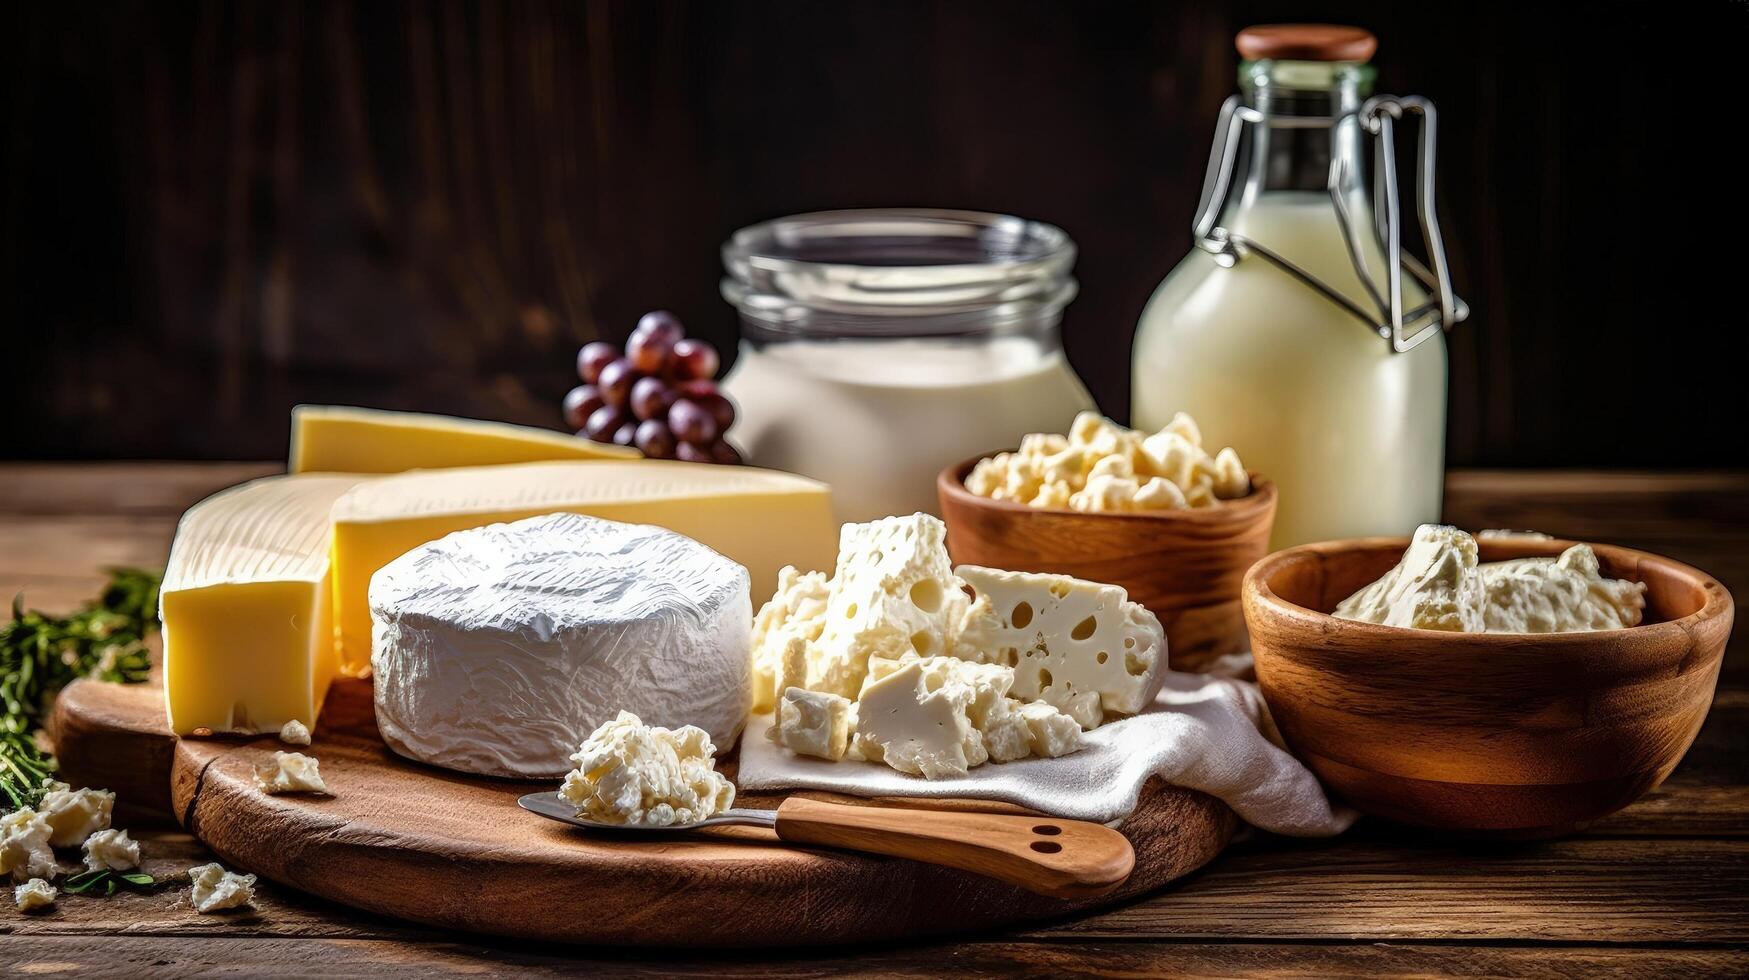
(696, 389)
(691, 423)
(651, 398)
(624, 435)
(722, 452)
(663, 323)
(649, 350)
(592, 358)
(580, 403)
(604, 422)
(689, 453)
(720, 408)
(694, 359)
(654, 439)
(615, 382)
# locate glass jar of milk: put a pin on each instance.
(878, 347)
(1290, 332)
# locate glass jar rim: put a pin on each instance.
(860, 271)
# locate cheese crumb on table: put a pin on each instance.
(111, 850)
(294, 733)
(216, 889)
(34, 894)
(632, 773)
(24, 846)
(1439, 584)
(289, 772)
(75, 814)
(1102, 467)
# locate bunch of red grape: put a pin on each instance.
(658, 395)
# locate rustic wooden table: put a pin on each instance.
(1660, 888)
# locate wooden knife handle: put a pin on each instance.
(1060, 858)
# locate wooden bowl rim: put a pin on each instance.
(951, 482)
(1257, 593)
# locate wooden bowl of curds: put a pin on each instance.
(1486, 734)
(1184, 565)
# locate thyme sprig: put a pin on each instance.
(106, 882)
(40, 654)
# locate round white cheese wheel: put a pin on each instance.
(497, 650)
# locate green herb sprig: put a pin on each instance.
(106, 882)
(40, 654)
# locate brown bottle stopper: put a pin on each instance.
(1306, 42)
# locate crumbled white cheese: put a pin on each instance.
(939, 716)
(1439, 585)
(34, 894)
(75, 814)
(1101, 467)
(1558, 595)
(289, 772)
(631, 773)
(294, 733)
(813, 723)
(797, 610)
(111, 850)
(1434, 587)
(216, 889)
(24, 846)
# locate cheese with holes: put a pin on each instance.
(937, 717)
(1080, 647)
(643, 775)
(1435, 586)
(340, 439)
(498, 649)
(893, 594)
(247, 606)
(762, 519)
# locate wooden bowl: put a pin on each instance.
(1508, 734)
(1184, 565)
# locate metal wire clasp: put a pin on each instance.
(1378, 115)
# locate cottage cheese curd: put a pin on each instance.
(1101, 466)
(632, 773)
(34, 894)
(111, 850)
(216, 889)
(289, 772)
(1440, 585)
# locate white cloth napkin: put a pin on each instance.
(1205, 732)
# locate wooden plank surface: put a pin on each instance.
(1661, 888)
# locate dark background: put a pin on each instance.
(215, 211)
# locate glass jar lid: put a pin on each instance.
(901, 271)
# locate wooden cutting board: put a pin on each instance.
(428, 845)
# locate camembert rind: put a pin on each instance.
(762, 519)
(247, 606)
(341, 439)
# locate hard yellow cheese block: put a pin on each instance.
(338, 439)
(247, 605)
(761, 518)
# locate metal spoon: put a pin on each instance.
(1061, 858)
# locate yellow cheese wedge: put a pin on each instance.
(337, 439)
(761, 518)
(247, 606)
